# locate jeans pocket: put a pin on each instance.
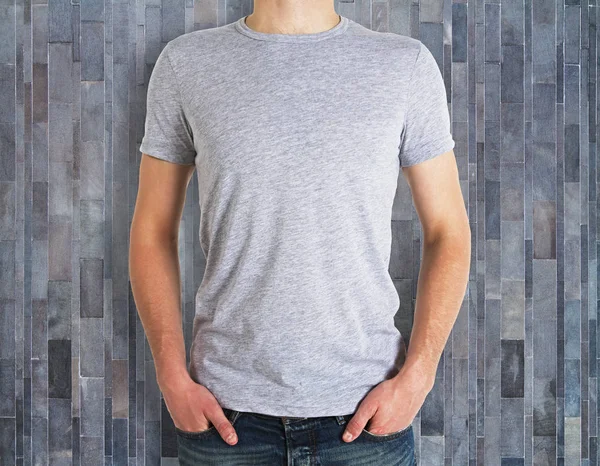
(392, 435)
(389, 436)
(231, 415)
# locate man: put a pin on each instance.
(297, 121)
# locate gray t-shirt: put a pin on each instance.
(297, 141)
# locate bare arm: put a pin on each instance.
(156, 285)
(154, 262)
(392, 405)
(444, 272)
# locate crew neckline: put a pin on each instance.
(340, 27)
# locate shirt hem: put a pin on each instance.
(439, 148)
(289, 410)
(164, 154)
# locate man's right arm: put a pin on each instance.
(156, 286)
(154, 263)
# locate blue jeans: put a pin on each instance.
(294, 441)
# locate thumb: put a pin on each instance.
(357, 423)
(224, 427)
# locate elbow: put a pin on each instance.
(150, 234)
(455, 233)
(454, 244)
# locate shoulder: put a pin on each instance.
(396, 53)
(197, 43)
(198, 50)
(402, 46)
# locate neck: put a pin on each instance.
(292, 17)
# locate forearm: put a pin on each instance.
(440, 291)
(155, 283)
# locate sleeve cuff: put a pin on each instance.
(431, 151)
(168, 154)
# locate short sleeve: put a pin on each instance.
(167, 133)
(427, 130)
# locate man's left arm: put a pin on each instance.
(434, 184)
(444, 271)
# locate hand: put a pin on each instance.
(194, 408)
(390, 406)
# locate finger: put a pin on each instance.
(223, 426)
(357, 423)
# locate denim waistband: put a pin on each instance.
(287, 419)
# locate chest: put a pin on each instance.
(297, 114)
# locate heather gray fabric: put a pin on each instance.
(297, 142)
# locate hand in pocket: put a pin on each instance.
(194, 408)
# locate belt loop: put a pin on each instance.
(233, 415)
(229, 413)
(341, 420)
